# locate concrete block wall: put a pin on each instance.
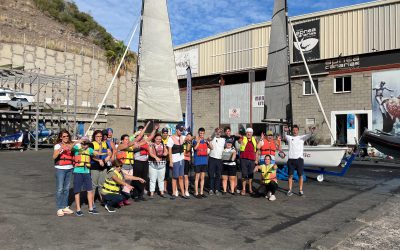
(205, 107)
(307, 106)
(93, 74)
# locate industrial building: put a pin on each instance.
(349, 51)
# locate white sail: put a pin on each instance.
(158, 95)
(277, 88)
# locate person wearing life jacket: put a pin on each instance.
(126, 158)
(82, 179)
(187, 157)
(157, 162)
(268, 146)
(64, 164)
(141, 164)
(112, 143)
(200, 148)
(168, 170)
(112, 186)
(269, 179)
(229, 167)
(176, 160)
(99, 163)
(248, 158)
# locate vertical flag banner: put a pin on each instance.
(189, 111)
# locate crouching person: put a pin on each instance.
(269, 180)
(112, 186)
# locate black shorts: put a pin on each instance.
(229, 170)
(187, 167)
(200, 169)
(247, 168)
(295, 164)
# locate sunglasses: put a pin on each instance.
(65, 136)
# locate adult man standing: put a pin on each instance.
(295, 157)
(176, 160)
(217, 145)
(248, 149)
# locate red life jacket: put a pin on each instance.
(65, 158)
(202, 149)
(144, 149)
(268, 148)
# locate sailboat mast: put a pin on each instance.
(137, 70)
(290, 115)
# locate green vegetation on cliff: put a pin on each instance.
(68, 13)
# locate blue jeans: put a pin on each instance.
(63, 179)
(112, 199)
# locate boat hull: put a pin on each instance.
(385, 143)
(317, 156)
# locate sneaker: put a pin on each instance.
(185, 197)
(173, 197)
(79, 213)
(126, 202)
(289, 193)
(203, 196)
(238, 191)
(217, 193)
(187, 194)
(93, 211)
(163, 196)
(109, 209)
(211, 192)
(67, 210)
(198, 196)
(268, 195)
(301, 193)
(142, 198)
(60, 213)
(272, 198)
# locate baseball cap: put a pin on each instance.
(229, 141)
(249, 130)
(164, 130)
(179, 127)
(269, 132)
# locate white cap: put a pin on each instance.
(250, 130)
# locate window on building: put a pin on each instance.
(307, 89)
(343, 84)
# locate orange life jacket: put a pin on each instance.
(82, 159)
(65, 158)
(268, 148)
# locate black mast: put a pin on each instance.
(290, 111)
(137, 70)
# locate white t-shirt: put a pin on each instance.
(218, 147)
(170, 143)
(65, 167)
(296, 145)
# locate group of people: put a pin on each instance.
(130, 168)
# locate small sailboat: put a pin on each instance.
(386, 143)
(157, 89)
(278, 101)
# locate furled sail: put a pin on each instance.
(158, 93)
(277, 106)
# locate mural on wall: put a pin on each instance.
(386, 101)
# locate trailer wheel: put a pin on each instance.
(320, 178)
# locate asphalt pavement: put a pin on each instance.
(332, 214)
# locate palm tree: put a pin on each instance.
(113, 58)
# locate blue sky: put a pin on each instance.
(195, 19)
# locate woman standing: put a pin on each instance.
(229, 167)
(157, 163)
(63, 162)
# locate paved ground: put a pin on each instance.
(349, 211)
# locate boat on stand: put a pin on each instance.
(278, 101)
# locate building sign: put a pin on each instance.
(308, 36)
(349, 62)
(386, 101)
(183, 59)
(234, 113)
(258, 101)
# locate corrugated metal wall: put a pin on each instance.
(373, 26)
(258, 88)
(235, 96)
